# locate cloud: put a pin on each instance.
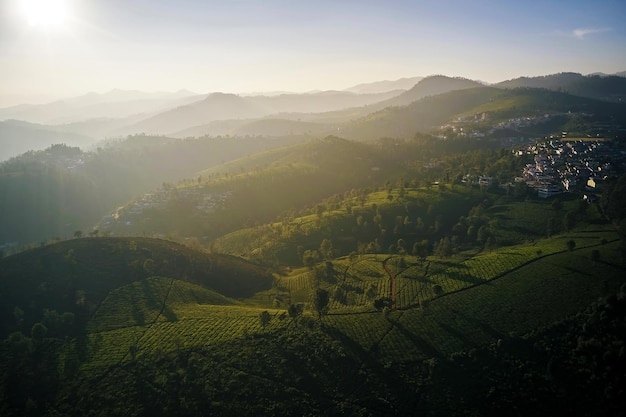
(581, 33)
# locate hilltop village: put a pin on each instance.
(562, 165)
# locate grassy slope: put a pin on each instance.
(544, 291)
(164, 314)
(266, 185)
(76, 275)
(510, 291)
(308, 231)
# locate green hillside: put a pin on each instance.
(257, 189)
(162, 345)
(608, 88)
(75, 276)
(499, 105)
(56, 192)
(141, 325)
(339, 278)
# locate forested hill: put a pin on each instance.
(255, 189)
(606, 87)
(56, 192)
(498, 105)
(17, 137)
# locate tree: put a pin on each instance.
(148, 266)
(437, 289)
(401, 246)
(482, 234)
(310, 258)
(419, 225)
(329, 272)
(133, 349)
(381, 303)
(320, 302)
(295, 310)
(340, 295)
(326, 249)
(78, 234)
(319, 210)
(371, 292)
(444, 248)
(569, 220)
(264, 318)
(38, 331)
(420, 249)
(571, 245)
(595, 256)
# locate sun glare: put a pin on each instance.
(45, 13)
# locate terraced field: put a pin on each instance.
(163, 314)
(538, 293)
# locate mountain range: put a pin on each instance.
(84, 120)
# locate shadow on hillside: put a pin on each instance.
(464, 277)
(577, 271)
(352, 345)
(612, 265)
(169, 314)
(425, 347)
(456, 334)
(151, 302)
(136, 310)
(522, 230)
(498, 209)
(483, 326)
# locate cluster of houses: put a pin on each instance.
(474, 127)
(198, 197)
(563, 165)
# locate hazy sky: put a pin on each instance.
(77, 46)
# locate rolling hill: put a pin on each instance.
(401, 273)
(75, 276)
(608, 87)
(383, 86)
(498, 105)
(256, 188)
(148, 343)
(55, 192)
(18, 137)
(430, 86)
(111, 105)
(220, 106)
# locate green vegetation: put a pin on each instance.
(63, 189)
(75, 276)
(326, 278)
(150, 326)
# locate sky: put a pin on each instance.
(51, 49)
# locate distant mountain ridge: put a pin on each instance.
(34, 136)
(430, 86)
(498, 103)
(221, 106)
(113, 104)
(183, 113)
(384, 86)
(602, 87)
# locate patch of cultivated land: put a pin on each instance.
(550, 288)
